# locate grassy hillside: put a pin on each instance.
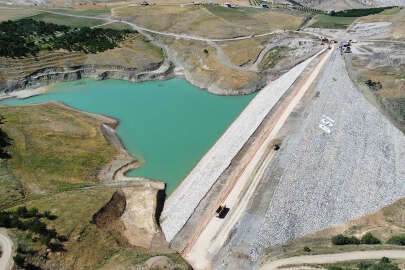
(66, 20)
(331, 22)
(55, 156)
(210, 20)
(384, 224)
(85, 246)
(54, 148)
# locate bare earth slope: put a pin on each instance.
(320, 179)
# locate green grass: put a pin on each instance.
(326, 21)
(11, 190)
(232, 14)
(66, 20)
(117, 26)
(84, 12)
(53, 148)
(272, 57)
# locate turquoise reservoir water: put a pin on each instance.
(168, 125)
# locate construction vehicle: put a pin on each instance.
(222, 211)
(276, 147)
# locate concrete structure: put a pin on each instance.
(183, 201)
(340, 159)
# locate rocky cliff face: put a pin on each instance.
(50, 75)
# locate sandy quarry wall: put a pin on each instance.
(184, 200)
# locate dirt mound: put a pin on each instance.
(108, 216)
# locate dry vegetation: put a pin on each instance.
(391, 97)
(244, 51)
(383, 224)
(209, 20)
(134, 52)
(203, 68)
(54, 148)
(87, 246)
(15, 14)
(396, 16)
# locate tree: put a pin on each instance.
(19, 260)
(369, 239)
(22, 211)
(397, 240)
(5, 141)
(340, 239)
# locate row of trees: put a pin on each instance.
(383, 264)
(367, 239)
(5, 141)
(358, 12)
(27, 36)
(30, 221)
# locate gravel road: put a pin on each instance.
(342, 160)
(6, 262)
(332, 258)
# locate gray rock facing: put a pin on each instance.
(343, 159)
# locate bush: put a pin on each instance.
(384, 264)
(373, 85)
(307, 249)
(340, 239)
(19, 260)
(369, 239)
(335, 268)
(364, 265)
(397, 240)
(358, 12)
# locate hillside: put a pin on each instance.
(349, 4)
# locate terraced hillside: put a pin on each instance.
(135, 54)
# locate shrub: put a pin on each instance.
(364, 265)
(307, 249)
(397, 240)
(384, 264)
(373, 85)
(335, 268)
(340, 239)
(19, 260)
(369, 239)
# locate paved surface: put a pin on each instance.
(6, 261)
(183, 201)
(342, 160)
(332, 258)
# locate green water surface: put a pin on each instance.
(168, 125)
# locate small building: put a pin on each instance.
(144, 4)
(265, 6)
(228, 5)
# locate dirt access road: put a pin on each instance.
(6, 262)
(214, 234)
(333, 258)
